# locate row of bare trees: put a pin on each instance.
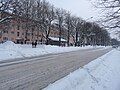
(111, 15)
(111, 11)
(45, 16)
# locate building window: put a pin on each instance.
(12, 32)
(18, 27)
(18, 34)
(5, 31)
(5, 38)
(22, 33)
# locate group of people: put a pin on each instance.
(34, 44)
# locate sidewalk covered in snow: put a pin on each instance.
(100, 74)
(10, 50)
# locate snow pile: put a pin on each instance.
(100, 74)
(28, 51)
(10, 50)
(9, 45)
(57, 49)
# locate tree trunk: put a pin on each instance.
(68, 37)
(76, 41)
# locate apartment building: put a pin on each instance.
(20, 30)
(14, 29)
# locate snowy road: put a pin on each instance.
(37, 73)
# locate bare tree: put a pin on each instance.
(60, 13)
(26, 14)
(68, 21)
(50, 17)
(40, 18)
(77, 26)
(111, 9)
(40, 15)
(5, 6)
(6, 11)
(46, 16)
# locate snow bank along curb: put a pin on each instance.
(9, 50)
(100, 74)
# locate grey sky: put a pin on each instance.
(82, 8)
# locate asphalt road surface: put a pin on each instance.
(37, 73)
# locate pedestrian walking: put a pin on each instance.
(35, 43)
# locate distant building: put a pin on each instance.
(14, 29)
(21, 30)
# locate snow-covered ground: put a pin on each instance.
(100, 74)
(9, 50)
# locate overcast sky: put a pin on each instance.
(82, 8)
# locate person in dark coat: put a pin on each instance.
(32, 44)
(35, 43)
